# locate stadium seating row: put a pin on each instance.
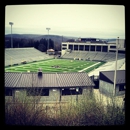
(101, 56)
(18, 55)
(109, 66)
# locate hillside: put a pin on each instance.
(36, 37)
(55, 38)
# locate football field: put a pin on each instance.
(56, 65)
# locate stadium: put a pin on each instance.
(72, 74)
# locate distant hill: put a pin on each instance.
(26, 36)
(55, 38)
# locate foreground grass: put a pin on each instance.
(86, 112)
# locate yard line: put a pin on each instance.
(89, 67)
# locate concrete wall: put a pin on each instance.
(18, 95)
(111, 48)
(118, 93)
(108, 88)
(63, 52)
(105, 88)
(54, 95)
(121, 43)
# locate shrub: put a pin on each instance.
(87, 111)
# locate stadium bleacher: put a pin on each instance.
(89, 55)
(109, 66)
(17, 55)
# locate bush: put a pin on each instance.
(86, 112)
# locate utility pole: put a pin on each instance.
(48, 36)
(11, 23)
(117, 43)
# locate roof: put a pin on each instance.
(75, 79)
(109, 76)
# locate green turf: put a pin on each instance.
(65, 65)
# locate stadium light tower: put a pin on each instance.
(48, 36)
(117, 44)
(11, 23)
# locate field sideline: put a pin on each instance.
(56, 65)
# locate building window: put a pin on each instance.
(63, 48)
(92, 48)
(112, 51)
(8, 92)
(121, 88)
(71, 91)
(71, 47)
(112, 46)
(81, 47)
(98, 48)
(104, 48)
(86, 48)
(64, 44)
(75, 47)
(37, 92)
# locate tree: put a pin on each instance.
(41, 47)
(36, 44)
(45, 44)
(51, 44)
(57, 46)
(7, 43)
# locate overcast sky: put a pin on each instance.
(78, 20)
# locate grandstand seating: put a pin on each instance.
(91, 55)
(109, 66)
(17, 55)
(100, 55)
